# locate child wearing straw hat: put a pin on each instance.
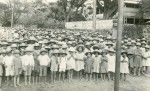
(130, 54)
(28, 64)
(8, 64)
(79, 61)
(36, 53)
(138, 55)
(44, 61)
(111, 63)
(54, 65)
(147, 58)
(104, 64)
(96, 64)
(71, 63)
(62, 64)
(124, 70)
(88, 65)
(1, 67)
(17, 67)
(143, 44)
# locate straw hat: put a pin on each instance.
(96, 51)
(14, 46)
(111, 50)
(36, 45)
(62, 52)
(43, 50)
(8, 50)
(71, 49)
(109, 43)
(55, 52)
(138, 44)
(16, 52)
(80, 46)
(23, 45)
(147, 47)
(129, 44)
(88, 53)
(28, 49)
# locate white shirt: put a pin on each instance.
(27, 60)
(44, 60)
(8, 60)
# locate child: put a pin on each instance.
(96, 64)
(8, 64)
(36, 71)
(44, 61)
(62, 64)
(104, 65)
(1, 68)
(111, 63)
(131, 57)
(79, 61)
(138, 60)
(124, 70)
(54, 65)
(28, 65)
(147, 58)
(17, 68)
(71, 63)
(88, 65)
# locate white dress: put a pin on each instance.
(62, 64)
(8, 62)
(124, 66)
(111, 63)
(147, 56)
(144, 60)
(70, 62)
(79, 61)
(96, 64)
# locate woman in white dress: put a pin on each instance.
(111, 63)
(124, 66)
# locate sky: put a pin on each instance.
(46, 1)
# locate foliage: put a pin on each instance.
(68, 10)
(133, 31)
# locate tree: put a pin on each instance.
(109, 8)
(146, 8)
(68, 10)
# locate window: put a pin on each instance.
(130, 20)
(130, 5)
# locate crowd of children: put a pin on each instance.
(68, 55)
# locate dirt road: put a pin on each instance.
(132, 84)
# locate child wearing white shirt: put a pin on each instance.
(28, 65)
(44, 61)
(8, 64)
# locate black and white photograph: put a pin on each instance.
(74, 45)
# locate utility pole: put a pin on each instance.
(94, 15)
(118, 45)
(12, 12)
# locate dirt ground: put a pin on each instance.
(131, 84)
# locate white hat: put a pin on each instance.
(13, 46)
(71, 49)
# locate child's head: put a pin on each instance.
(88, 54)
(43, 52)
(111, 53)
(124, 54)
(28, 53)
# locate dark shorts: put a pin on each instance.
(43, 70)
